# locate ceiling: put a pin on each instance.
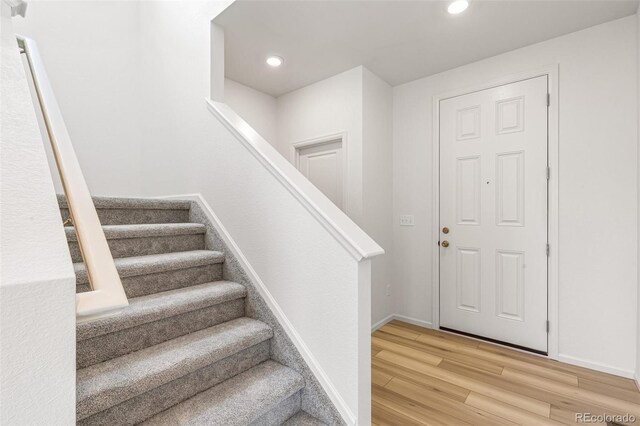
(399, 41)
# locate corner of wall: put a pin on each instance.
(216, 90)
(377, 171)
(37, 285)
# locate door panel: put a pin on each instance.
(468, 190)
(493, 199)
(468, 279)
(322, 164)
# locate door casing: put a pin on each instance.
(553, 192)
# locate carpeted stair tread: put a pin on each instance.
(132, 203)
(153, 263)
(112, 232)
(237, 401)
(106, 384)
(302, 418)
(146, 309)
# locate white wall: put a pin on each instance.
(359, 104)
(175, 61)
(90, 50)
(377, 150)
(326, 108)
(257, 108)
(598, 187)
(37, 282)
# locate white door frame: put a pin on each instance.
(553, 213)
(342, 136)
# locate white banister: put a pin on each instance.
(107, 294)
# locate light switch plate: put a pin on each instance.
(406, 220)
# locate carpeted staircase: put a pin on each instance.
(183, 352)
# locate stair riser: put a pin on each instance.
(109, 346)
(159, 399)
(281, 412)
(142, 285)
(126, 247)
(136, 216)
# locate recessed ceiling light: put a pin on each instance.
(458, 6)
(274, 61)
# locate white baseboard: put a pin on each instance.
(296, 339)
(382, 322)
(596, 366)
(414, 321)
(636, 378)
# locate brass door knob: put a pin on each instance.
(445, 230)
(445, 244)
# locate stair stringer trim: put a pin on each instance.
(320, 397)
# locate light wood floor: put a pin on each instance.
(427, 377)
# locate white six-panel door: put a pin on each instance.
(493, 200)
(322, 164)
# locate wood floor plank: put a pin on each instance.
(499, 349)
(449, 390)
(567, 417)
(426, 377)
(562, 402)
(468, 366)
(575, 392)
(507, 361)
(419, 413)
(447, 354)
(380, 378)
(455, 409)
(406, 351)
(445, 344)
(509, 412)
(383, 416)
(532, 405)
(398, 331)
(606, 389)
(375, 349)
(586, 373)
(437, 333)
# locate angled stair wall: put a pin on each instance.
(314, 399)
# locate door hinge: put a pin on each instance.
(548, 249)
(548, 99)
(548, 172)
(548, 326)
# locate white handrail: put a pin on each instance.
(107, 293)
(342, 228)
